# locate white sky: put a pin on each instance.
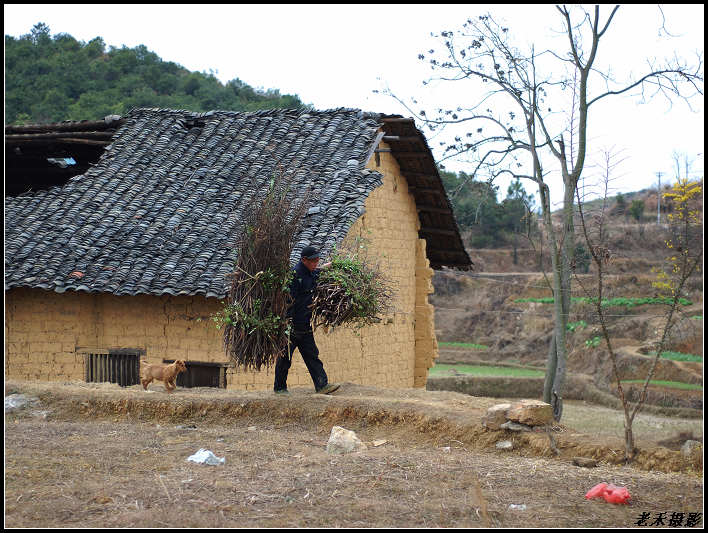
(336, 55)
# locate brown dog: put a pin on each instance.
(164, 373)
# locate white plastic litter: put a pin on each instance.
(14, 402)
(517, 507)
(206, 457)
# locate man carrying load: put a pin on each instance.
(302, 290)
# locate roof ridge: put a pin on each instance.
(260, 112)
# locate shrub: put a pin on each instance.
(572, 326)
(636, 209)
(594, 342)
(351, 292)
(254, 319)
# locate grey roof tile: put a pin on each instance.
(159, 211)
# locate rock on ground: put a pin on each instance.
(518, 415)
(530, 412)
(691, 447)
(344, 441)
(496, 416)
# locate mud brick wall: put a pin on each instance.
(47, 333)
(426, 343)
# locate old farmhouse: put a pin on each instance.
(119, 238)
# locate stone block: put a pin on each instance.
(515, 426)
(530, 412)
(584, 462)
(496, 416)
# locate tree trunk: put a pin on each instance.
(561, 319)
(628, 441)
(562, 255)
(562, 296)
(551, 363)
(555, 370)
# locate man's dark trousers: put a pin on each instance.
(304, 341)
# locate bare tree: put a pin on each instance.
(681, 158)
(513, 126)
(687, 252)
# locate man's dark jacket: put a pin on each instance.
(302, 290)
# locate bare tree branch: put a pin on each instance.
(525, 132)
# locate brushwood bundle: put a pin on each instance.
(352, 291)
(256, 329)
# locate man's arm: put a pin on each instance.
(294, 291)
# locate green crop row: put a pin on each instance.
(674, 384)
(680, 356)
(612, 302)
(465, 345)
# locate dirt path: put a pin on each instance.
(426, 416)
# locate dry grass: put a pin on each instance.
(99, 474)
(254, 321)
(111, 457)
(647, 428)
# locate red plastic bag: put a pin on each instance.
(610, 493)
(616, 495)
(597, 491)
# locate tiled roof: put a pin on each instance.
(437, 221)
(159, 211)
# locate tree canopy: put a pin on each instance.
(53, 78)
(487, 222)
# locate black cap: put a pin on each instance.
(310, 252)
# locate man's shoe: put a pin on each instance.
(328, 389)
(283, 392)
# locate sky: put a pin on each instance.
(335, 56)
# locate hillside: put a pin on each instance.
(637, 245)
(55, 78)
(498, 313)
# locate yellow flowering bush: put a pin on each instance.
(686, 242)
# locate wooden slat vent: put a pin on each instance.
(122, 367)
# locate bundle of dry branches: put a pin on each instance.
(352, 291)
(254, 319)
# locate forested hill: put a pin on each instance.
(54, 78)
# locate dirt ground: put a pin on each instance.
(96, 455)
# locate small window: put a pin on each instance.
(201, 374)
(61, 162)
(114, 366)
